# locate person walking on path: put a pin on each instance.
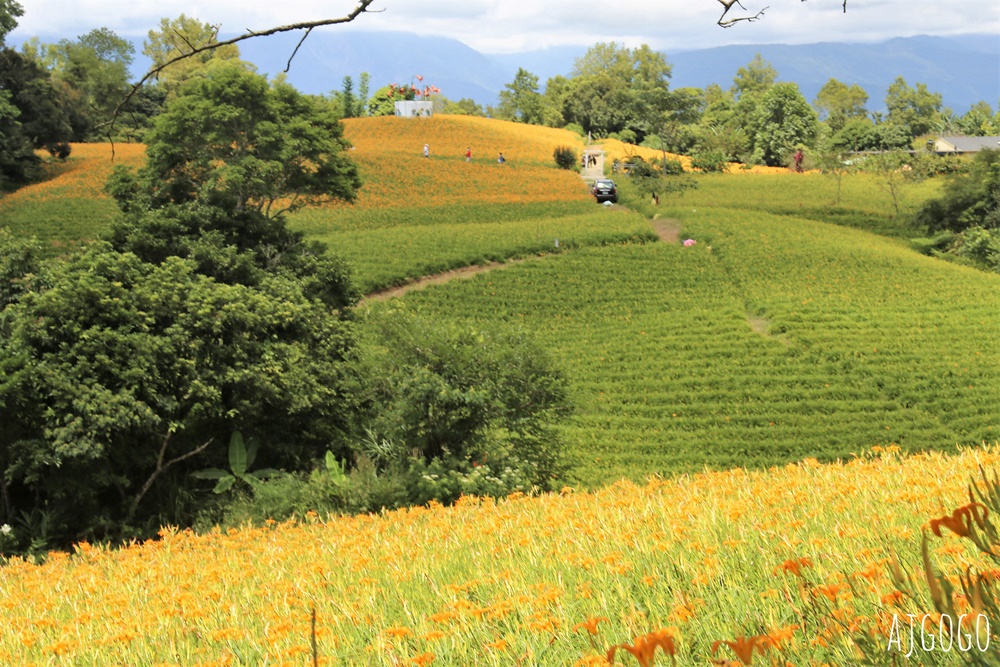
(427, 150)
(468, 154)
(501, 159)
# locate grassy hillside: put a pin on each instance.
(775, 338)
(70, 206)
(466, 213)
(772, 339)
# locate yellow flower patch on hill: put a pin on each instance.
(82, 176)
(468, 584)
(448, 137)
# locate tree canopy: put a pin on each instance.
(232, 140)
(838, 103)
(614, 88)
(174, 38)
(915, 109)
(520, 100)
(10, 10)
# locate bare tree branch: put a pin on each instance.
(292, 57)
(361, 8)
(728, 4)
(160, 467)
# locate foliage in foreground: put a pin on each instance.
(115, 371)
(971, 199)
(794, 565)
(444, 411)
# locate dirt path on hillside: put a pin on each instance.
(438, 279)
(668, 230)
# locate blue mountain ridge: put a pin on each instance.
(964, 69)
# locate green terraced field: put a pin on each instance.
(864, 202)
(772, 340)
(388, 256)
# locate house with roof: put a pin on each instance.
(965, 144)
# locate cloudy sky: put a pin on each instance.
(505, 26)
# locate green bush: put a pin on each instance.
(565, 157)
(670, 167)
(971, 199)
(461, 397)
(712, 162)
(980, 246)
(118, 377)
(576, 127)
(627, 136)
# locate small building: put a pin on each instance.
(965, 144)
(414, 109)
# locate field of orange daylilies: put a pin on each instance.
(782, 567)
(389, 153)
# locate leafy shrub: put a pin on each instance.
(576, 127)
(670, 167)
(626, 136)
(328, 489)
(565, 157)
(637, 167)
(971, 199)
(120, 376)
(981, 246)
(458, 397)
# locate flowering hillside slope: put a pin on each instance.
(797, 554)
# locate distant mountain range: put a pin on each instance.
(964, 69)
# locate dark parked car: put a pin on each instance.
(604, 190)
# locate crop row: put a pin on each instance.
(725, 353)
(388, 256)
(71, 205)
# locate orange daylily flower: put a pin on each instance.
(960, 521)
(743, 647)
(590, 624)
(776, 638)
(794, 566)
(645, 646)
(422, 659)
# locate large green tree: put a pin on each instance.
(125, 367)
(177, 37)
(44, 121)
(915, 109)
(520, 100)
(782, 120)
(10, 10)
(754, 78)
(92, 74)
(615, 88)
(231, 140)
(838, 103)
